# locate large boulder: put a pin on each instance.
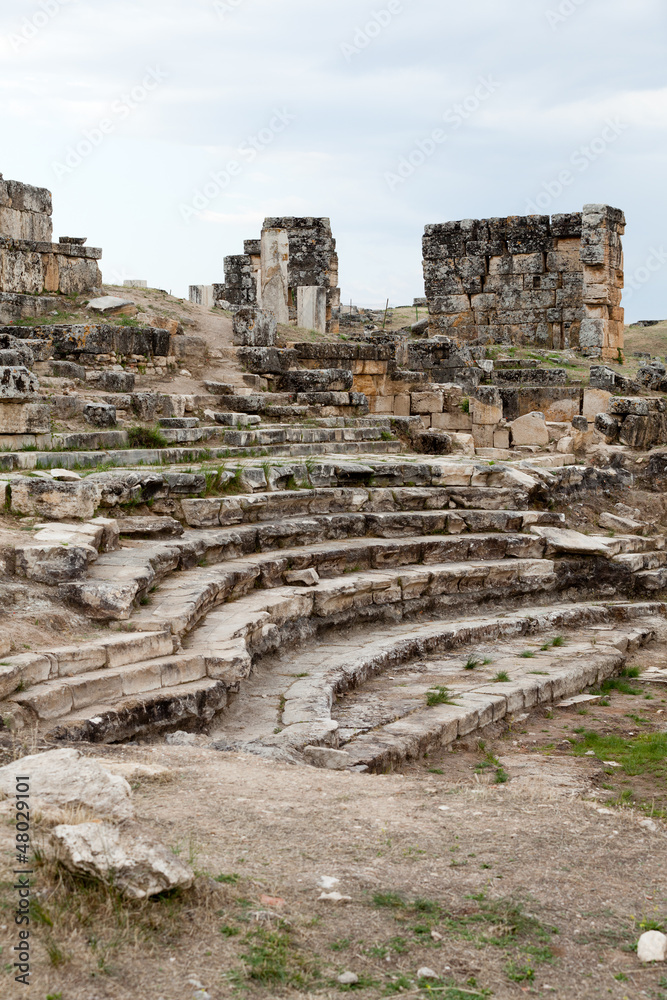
(125, 856)
(67, 779)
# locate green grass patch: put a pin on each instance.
(438, 696)
(273, 959)
(146, 437)
(501, 677)
(645, 753)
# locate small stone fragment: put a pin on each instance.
(348, 979)
(652, 947)
(426, 973)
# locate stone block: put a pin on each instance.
(254, 328)
(382, 404)
(486, 406)
(112, 381)
(55, 501)
(595, 401)
(311, 308)
(501, 439)
(17, 384)
(457, 420)
(426, 402)
(274, 273)
(100, 414)
(402, 405)
(483, 435)
(24, 418)
(530, 429)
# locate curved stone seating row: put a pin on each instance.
(324, 696)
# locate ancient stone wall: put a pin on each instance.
(549, 282)
(25, 211)
(30, 264)
(312, 263)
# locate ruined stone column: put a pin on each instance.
(311, 308)
(274, 283)
(602, 328)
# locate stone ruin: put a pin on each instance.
(549, 282)
(330, 492)
(291, 271)
(33, 269)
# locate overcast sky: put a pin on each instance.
(168, 129)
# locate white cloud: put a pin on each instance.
(354, 120)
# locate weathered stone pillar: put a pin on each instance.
(602, 328)
(274, 283)
(311, 308)
(254, 328)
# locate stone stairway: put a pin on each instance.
(412, 687)
(284, 569)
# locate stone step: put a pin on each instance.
(58, 698)
(27, 669)
(562, 673)
(183, 705)
(121, 578)
(183, 601)
(372, 703)
(280, 503)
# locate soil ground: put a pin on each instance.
(537, 885)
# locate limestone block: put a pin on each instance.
(595, 401)
(426, 402)
(17, 384)
(311, 308)
(254, 328)
(530, 429)
(112, 381)
(457, 420)
(402, 405)
(100, 414)
(383, 404)
(274, 276)
(483, 435)
(486, 406)
(334, 760)
(652, 947)
(565, 445)
(561, 410)
(129, 857)
(24, 418)
(54, 500)
(53, 564)
(65, 778)
(501, 439)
